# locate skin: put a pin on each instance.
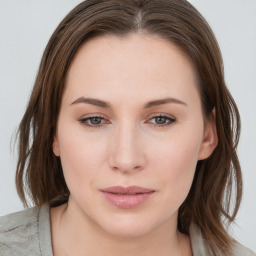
(128, 148)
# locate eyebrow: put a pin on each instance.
(163, 101)
(104, 104)
(92, 101)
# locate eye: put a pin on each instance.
(98, 121)
(162, 120)
(93, 121)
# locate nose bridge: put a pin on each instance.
(127, 154)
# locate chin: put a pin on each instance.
(129, 226)
(128, 231)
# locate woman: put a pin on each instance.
(128, 143)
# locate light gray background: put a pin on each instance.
(25, 27)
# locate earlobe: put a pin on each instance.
(55, 147)
(210, 139)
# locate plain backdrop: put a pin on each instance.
(25, 27)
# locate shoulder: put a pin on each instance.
(20, 218)
(19, 233)
(239, 250)
(200, 245)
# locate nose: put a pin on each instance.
(127, 154)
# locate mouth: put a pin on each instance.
(127, 197)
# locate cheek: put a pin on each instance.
(81, 158)
(175, 162)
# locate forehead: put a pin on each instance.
(135, 65)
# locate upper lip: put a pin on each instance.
(131, 190)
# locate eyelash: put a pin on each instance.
(170, 120)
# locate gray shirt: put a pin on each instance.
(28, 233)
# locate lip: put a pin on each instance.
(127, 197)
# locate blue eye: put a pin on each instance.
(163, 120)
(93, 121)
(98, 121)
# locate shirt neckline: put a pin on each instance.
(44, 230)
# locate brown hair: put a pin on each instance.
(217, 179)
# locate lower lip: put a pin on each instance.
(127, 201)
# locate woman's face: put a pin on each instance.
(131, 116)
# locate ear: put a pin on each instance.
(55, 146)
(210, 138)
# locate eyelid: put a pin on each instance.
(160, 114)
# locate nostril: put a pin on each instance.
(126, 169)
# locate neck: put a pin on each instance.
(76, 234)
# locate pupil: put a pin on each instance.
(160, 120)
(95, 120)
